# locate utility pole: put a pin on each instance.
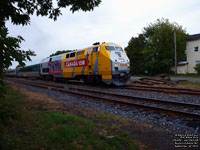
(175, 53)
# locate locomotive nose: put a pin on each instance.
(120, 62)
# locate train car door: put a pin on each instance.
(94, 60)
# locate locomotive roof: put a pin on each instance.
(105, 44)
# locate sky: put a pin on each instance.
(114, 21)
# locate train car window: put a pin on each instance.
(50, 59)
(67, 56)
(72, 54)
(36, 68)
(57, 58)
(45, 70)
(95, 49)
(53, 59)
(110, 47)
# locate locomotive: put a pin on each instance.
(106, 62)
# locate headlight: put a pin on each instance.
(128, 64)
(116, 64)
(121, 60)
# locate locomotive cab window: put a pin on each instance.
(118, 48)
(113, 48)
(110, 47)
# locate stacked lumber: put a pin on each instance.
(155, 80)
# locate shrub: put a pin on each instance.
(197, 68)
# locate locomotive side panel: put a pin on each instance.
(94, 58)
(29, 71)
(74, 64)
(104, 63)
(82, 63)
(55, 66)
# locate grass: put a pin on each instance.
(37, 129)
(54, 130)
(103, 117)
(193, 84)
(9, 110)
(13, 96)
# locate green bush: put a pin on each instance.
(8, 111)
(7, 104)
(197, 68)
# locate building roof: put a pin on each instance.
(193, 37)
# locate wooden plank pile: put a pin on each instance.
(155, 80)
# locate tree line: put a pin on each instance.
(152, 51)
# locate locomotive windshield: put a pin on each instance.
(113, 48)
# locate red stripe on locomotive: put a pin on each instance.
(76, 63)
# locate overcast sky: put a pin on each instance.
(113, 21)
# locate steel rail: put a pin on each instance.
(196, 106)
(143, 106)
(166, 90)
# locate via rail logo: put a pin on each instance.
(76, 63)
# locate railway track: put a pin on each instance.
(172, 90)
(186, 110)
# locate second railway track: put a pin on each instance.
(173, 90)
(186, 110)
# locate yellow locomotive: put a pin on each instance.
(105, 62)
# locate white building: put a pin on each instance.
(193, 52)
(193, 56)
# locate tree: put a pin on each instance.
(197, 68)
(19, 12)
(157, 51)
(134, 51)
(60, 52)
(19, 66)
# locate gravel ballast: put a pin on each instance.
(167, 122)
